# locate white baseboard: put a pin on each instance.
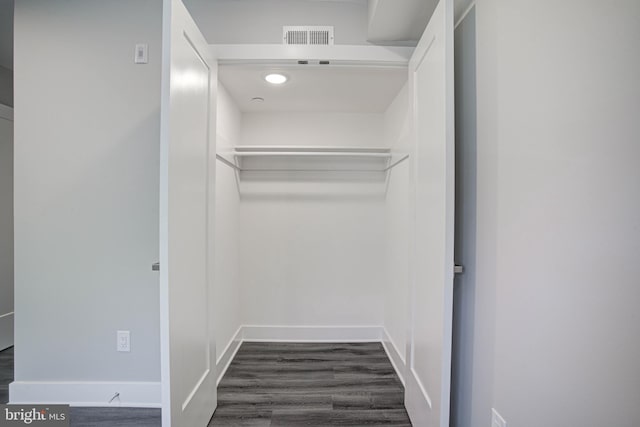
(312, 333)
(6, 330)
(223, 362)
(148, 394)
(394, 355)
(132, 394)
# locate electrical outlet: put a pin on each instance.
(142, 54)
(124, 341)
(496, 419)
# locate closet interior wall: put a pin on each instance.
(227, 310)
(297, 253)
(397, 133)
(312, 244)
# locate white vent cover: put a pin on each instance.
(306, 35)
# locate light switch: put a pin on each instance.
(142, 53)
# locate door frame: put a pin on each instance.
(7, 319)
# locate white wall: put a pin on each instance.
(397, 135)
(317, 129)
(261, 21)
(87, 128)
(227, 308)
(557, 213)
(312, 262)
(311, 253)
(6, 227)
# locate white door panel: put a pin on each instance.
(188, 126)
(429, 347)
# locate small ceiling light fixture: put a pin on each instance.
(276, 78)
(257, 99)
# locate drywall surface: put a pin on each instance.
(316, 129)
(6, 86)
(316, 261)
(86, 190)
(6, 232)
(261, 21)
(396, 297)
(229, 123)
(227, 229)
(558, 97)
(312, 245)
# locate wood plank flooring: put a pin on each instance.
(300, 384)
(6, 373)
(115, 417)
(281, 384)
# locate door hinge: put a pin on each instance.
(458, 269)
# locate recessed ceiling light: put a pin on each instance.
(257, 99)
(275, 78)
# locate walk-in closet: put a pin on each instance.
(323, 213)
(311, 234)
(309, 182)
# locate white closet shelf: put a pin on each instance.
(282, 54)
(310, 159)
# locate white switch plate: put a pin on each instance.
(142, 54)
(124, 341)
(496, 419)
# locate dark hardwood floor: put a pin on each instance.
(298, 384)
(6, 373)
(280, 384)
(115, 417)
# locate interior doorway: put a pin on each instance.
(6, 251)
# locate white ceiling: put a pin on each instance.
(391, 20)
(314, 88)
(394, 21)
(6, 34)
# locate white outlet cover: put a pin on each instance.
(496, 419)
(123, 341)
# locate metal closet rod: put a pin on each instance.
(239, 169)
(308, 154)
(308, 149)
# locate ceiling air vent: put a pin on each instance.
(305, 35)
